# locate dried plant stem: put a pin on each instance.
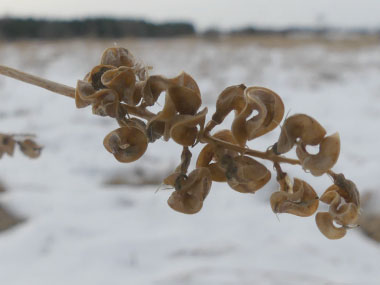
(62, 89)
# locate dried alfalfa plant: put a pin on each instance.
(122, 88)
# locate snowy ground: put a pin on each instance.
(79, 230)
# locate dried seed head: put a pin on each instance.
(128, 143)
(231, 98)
(301, 201)
(325, 159)
(30, 148)
(244, 174)
(191, 191)
(301, 126)
(184, 129)
(117, 56)
(326, 226)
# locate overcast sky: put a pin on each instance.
(211, 13)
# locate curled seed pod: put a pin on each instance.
(30, 148)
(153, 87)
(244, 174)
(326, 226)
(95, 76)
(181, 168)
(127, 143)
(242, 128)
(191, 191)
(325, 159)
(184, 129)
(209, 153)
(231, 98)
(274, 107)
(186, 100)
(185, 80)
(117, 56)
(82, 93)
(347, 189)
(300, 126)
(7, 145)
(301, 201)
(106, 102)
(122, 80)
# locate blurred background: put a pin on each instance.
(77, 216)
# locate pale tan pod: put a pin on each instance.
(106, 102)
(153, 87)
(30, 148)
(186, 100)
(326, 226)
(347, 189)
(7, 145)
(274, 107)
(127, 144)
(117, 56)
(300, 126)
(184, 129)
(191, 192)
(325, 159)
(185, 80)
(122, 80)
(231, 98)
(245, 174)
(242, 128)
(95, 76)
(82, 94)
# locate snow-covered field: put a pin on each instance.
(81, 230)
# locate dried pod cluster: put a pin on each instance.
(27, 146)
(122, 88)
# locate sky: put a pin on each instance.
(206, 14)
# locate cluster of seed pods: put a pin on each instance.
(27, 145)
(122, 88)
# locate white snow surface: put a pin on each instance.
(80, 231)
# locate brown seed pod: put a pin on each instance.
(122, 80)
(231, 98)
(347, 189)
(30, 148)
(185, 80)
(326, 226)
(153, 87)
(301, 201)
(82, 93)
(185, 100)
(191, 191)
(184, 129)
(128, 143)
(325, 159)
(244, 174)
(117, 56)
(301, 126)
(7, 145)
(242, 128)
(106, 102)
(274, 107)
(209, 154)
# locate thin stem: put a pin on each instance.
(38, 81)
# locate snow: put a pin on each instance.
(80, 230)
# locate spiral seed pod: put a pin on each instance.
(326, 226)
(7, 145)
(212, 153)
(301, 126)
(231, 98)
(191, 191)
(117, 56)
(30, 148)
(184, 129)
(127, 143)
(325, 159)
(185, 80)
(301, 201)
(244, 174)
(153, 87)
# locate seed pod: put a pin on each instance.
(184, 129)
(106, 103)
(302, 201)
(274, 107)
(231, 98)
(127, 144)
(244, 174)
(212, 153)
(242, 128)
(185, 80)
(325, 159)
(82, 94)
(347, 189)
(30, 148)
(191, 191)
(185, 100)
(153, 87)
(7, 145)
(300, 126)
(326, 226)
(117, 56)
(122, 80)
